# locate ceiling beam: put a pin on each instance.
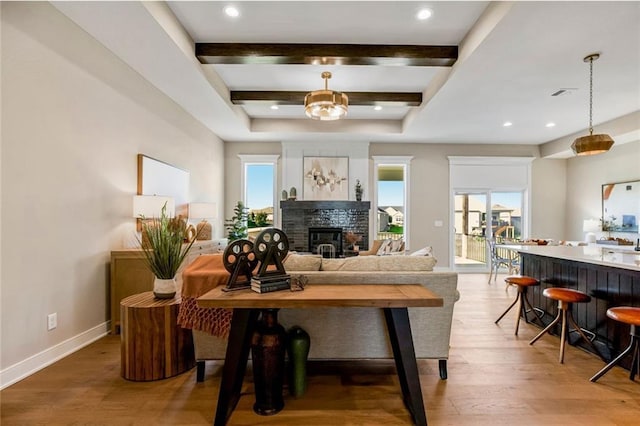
(241, 97)
(326, 54)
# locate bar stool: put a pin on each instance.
(631, 316)
(565, 297)
(523, 283)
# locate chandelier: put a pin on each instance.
(591, 144)
(326, 104)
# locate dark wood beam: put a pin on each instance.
(326, 54)
(241, 97)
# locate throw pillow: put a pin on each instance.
(302, 262)
(425, 251)
(397, 246)
(385, 247)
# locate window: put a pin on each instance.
(391, 201)
(259, 190)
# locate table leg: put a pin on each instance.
(404, 354)
(243, 323)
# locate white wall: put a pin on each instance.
(74, 117)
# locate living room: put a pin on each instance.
(75, 115)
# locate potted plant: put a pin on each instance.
(237, 225)
(164, 249)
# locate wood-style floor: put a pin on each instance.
(495, 378)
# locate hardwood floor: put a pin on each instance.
(495, 378)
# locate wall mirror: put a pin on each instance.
(621, 206)
(159, 178)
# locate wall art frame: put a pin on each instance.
(325, 178)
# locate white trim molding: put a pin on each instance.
(37, 362)
(250, 159)
(403, 160)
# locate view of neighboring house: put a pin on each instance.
(396, 214)
(389, 215)
(506, 222)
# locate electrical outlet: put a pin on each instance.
(52, 321)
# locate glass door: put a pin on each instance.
(484, 215)
(470, 226)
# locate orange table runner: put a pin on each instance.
(204, 274)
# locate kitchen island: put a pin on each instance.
(609, 274)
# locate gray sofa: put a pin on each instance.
(360, 333)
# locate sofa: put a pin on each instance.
(365, 337)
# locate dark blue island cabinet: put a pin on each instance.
(608, 286)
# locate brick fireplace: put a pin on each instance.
(299, 216)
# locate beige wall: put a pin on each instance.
(73, 119)
(430, 186)
(585, 177)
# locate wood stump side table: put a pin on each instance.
(153, 345)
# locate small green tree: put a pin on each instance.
(237, 225)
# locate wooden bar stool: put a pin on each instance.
(631, 316)
(523, 283)
(565, 297)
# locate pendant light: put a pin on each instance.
(591, 144)
(326, 104)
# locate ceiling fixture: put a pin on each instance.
(231, 11)
(550, 125)
(507, 124)
(326, 104)
(591, 144)
(424, 14)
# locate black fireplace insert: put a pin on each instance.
(333, 236)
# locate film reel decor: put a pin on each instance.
(239, 259)
(271, 247)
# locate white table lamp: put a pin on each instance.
(203, 211)
(589, 227)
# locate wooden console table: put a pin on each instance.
(394, 299)
(153, 345)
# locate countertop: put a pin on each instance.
(613, 256)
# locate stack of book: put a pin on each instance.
(271, 283)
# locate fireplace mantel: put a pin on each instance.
(326, 205)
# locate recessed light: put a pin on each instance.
(377, 108)
(274, 107)
(550, 124)
(507, 124)
(231, 11)
(424, 14)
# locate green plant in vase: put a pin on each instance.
(164, 249)
(237, 225)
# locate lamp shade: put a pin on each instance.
(150, 206)
(202, 210)
(592, 144)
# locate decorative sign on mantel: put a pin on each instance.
(326, 178)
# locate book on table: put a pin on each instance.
(270, 283)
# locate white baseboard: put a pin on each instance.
(27, 367)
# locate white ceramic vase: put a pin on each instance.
(164, 288)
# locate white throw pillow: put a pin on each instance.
(426, 251)
(397, 245)
(385, 247)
